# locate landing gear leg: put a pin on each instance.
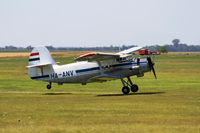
(129, 85)
(125, 89)
(49, 85)
(134, 87)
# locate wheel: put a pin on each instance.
(48, 86)
(134, 88)
(125, 90)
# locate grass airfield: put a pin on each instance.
(170, 104)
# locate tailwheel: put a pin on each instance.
(125, 90)
(49, 86)
(134, 88)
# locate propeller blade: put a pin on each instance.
(138, 61)
(151, 66)
(154, 72)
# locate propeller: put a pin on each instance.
(138, 61)
(151, 66)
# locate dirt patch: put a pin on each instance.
(14, 55)
(180, 63)
(182, 53)
(180, 71)
(60, 54)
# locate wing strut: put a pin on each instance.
(101, 69)
(42, 71)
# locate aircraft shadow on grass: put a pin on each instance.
(141, 93)
(57, 93)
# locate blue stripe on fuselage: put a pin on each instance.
(87, 69)
(98, 68)
(39, 77)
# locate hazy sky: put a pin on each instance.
(98, 22)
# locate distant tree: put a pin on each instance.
(29, 47)
(50, 48)
(162, 49)
(176, 42)
(10, 47)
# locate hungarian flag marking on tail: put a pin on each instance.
(34, 57)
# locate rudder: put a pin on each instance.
(40, 63)
(40, 56)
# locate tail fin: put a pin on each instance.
(40, 56)
(40, 63)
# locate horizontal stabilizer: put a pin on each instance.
(39, 65)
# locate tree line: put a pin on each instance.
(175, 46)
(52, 48)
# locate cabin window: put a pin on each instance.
(125, 59)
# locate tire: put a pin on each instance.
(125, 90)
(134, 88)
(48, 86)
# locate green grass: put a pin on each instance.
(170, 104)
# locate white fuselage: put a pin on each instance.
(83, 71)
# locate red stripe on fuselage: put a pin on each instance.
(34, 54)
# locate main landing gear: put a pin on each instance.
(128, 85)
(49, 85)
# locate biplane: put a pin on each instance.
(90, 67)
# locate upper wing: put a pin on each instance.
(97, 57)
(130, 50)
(105, 56)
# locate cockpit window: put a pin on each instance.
(126, 59)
